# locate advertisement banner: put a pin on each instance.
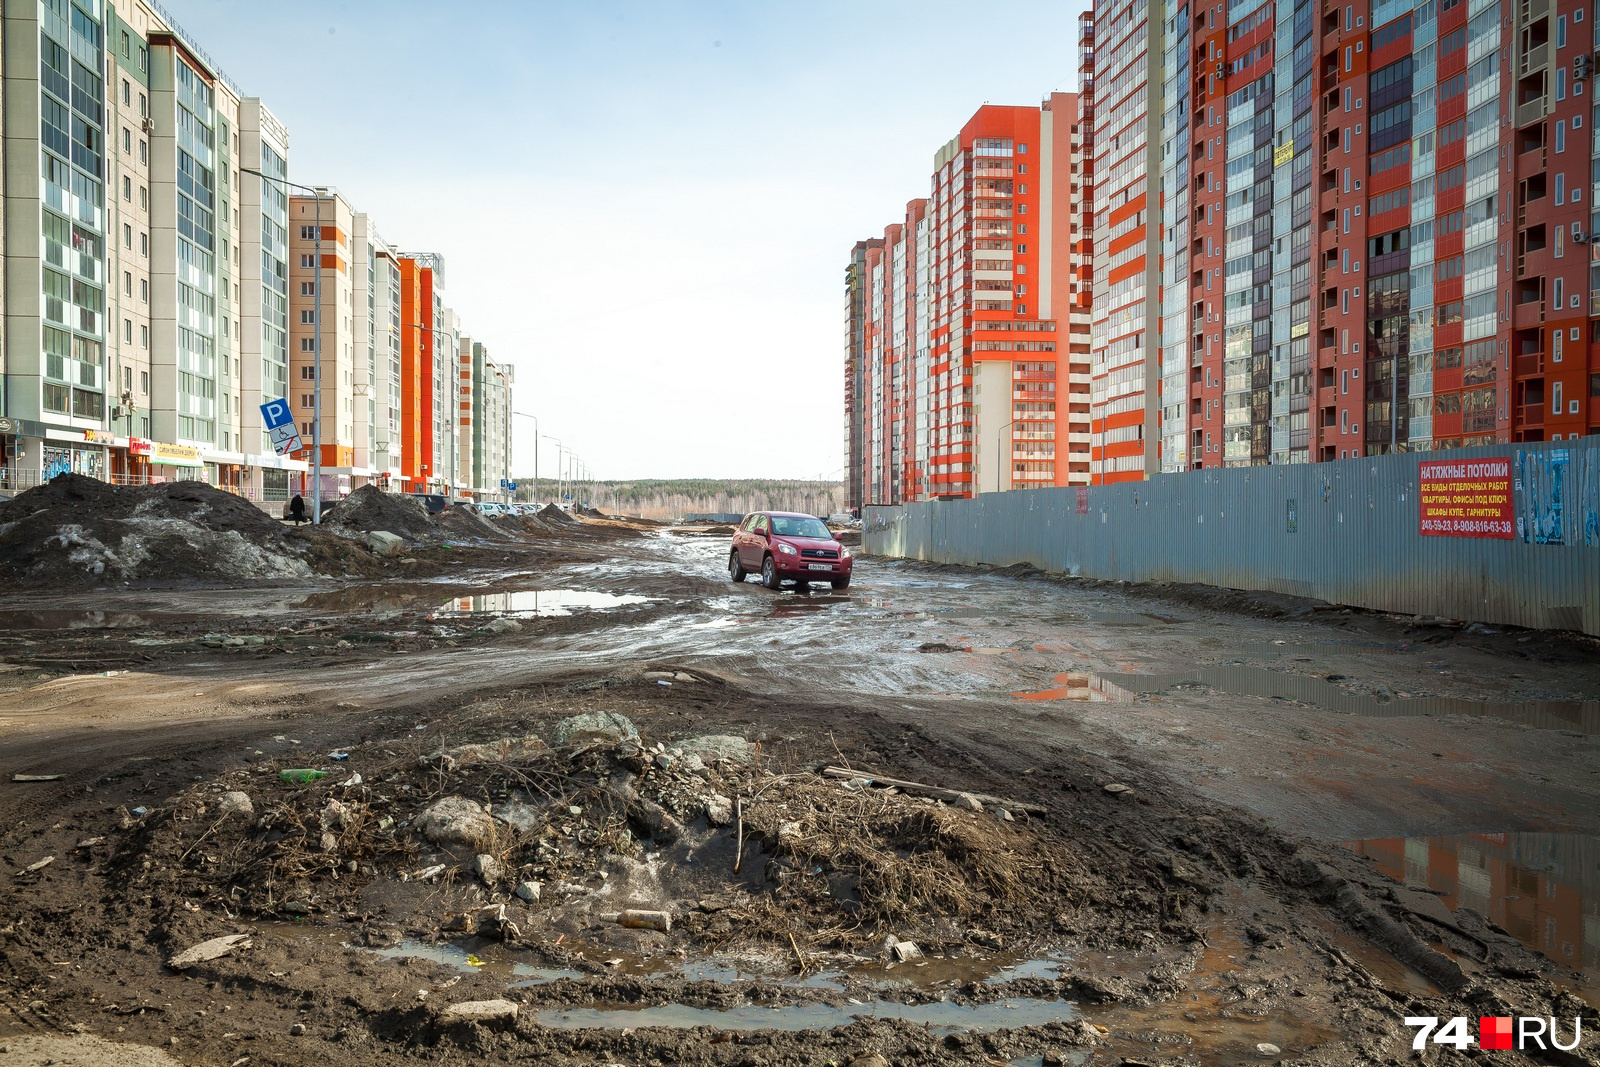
(1466, 498)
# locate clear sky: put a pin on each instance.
(646, 208)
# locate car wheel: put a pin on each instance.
(841, 583)
(769, 573)
(735, 571)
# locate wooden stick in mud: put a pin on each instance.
(918, 789)
(738, 814)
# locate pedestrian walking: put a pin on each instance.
(297, 509)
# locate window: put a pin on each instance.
(127, 141)
(1561, 136)
(127, 188)
(127, 235)
(308, 400)
(127, 283)
(127, 97)
(1555, 397)
(144, 244)
(308, 316)
(308, 288)
(144, 291)
(308, 344)
(144, 151)
(144, 342)
(127, 331)
(308, 233)
(308, 374)
(308, 260)
(1561, 31)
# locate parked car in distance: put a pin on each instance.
(783, 546)
(490, 507)
(432, 501)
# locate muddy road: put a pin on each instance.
(1319, 822)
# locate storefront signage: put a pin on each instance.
(177, 455)
(103, 437)
(1466, 498)
(138, 446)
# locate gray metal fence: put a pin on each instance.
(1521, 550)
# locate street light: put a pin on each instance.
(535, 419)
(316, 345)
(559, 449)
(998, 437)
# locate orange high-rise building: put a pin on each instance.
(968, 353)
(417, 372)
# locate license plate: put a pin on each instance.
(821, 566)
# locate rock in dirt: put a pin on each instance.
(214, 949)
(530, 891)
(384, 543)
(1118, 787)
(488, 869)
(968, 802)
(457, 821)
(480, 1011)
(595, 726)
(713, 747)
(719, 810)
(504, 750)
(902, 951)
(868, 1059)
(504, 626)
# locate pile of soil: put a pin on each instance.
(78, 530)
(369, 509)
(457, 523)
(551, 513)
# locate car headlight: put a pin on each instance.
(844, 551)
(788, 550)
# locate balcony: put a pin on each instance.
(1483, 421)
(1530, 112)
(1530, 417)
(1528, 315)
(1528, 364)
(1534, 59)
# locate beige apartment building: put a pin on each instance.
(322, 302)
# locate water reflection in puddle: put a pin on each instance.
(941, 1017)
(540, 602)
(1581, 715)
(1543, 889)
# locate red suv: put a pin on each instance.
(783, 546)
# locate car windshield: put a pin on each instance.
(788, 526)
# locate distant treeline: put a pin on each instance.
(654, 498)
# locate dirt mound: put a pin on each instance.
(79, 530)
(551, 513)
(460, 522)
(369, 509)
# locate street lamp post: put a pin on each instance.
(535, 419)
(318, 192)
(559, 448)
(998, 440)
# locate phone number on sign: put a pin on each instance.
(1500, 526)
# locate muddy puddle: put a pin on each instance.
(939, 1017)
(1542, 889)
(541, 603)
(1579, 715)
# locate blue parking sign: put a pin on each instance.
(276, 413)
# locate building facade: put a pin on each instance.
(1386, 241)
(159, 286)
(968, 326)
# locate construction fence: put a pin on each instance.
(1504, 534)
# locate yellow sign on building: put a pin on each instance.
(1283, 153)
(176, 455)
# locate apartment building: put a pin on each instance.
(1384, 241)
(1122, 52)
(322, 332)
(159, 284)
(56, 227)
(376, 393)
(486, 422)
(967, 358)
(420, 333)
